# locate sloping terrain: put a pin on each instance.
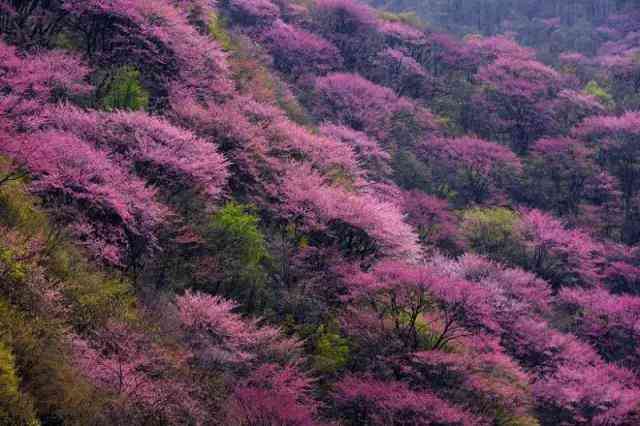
(283, 213)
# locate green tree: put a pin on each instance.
(331, 351)
(239, 249)
(493, 232)
(125, 91)
(594, 89)
(15, 407)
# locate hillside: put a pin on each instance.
(296, 213)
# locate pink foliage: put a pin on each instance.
(368, 152)
(431, 216)
(610, 323)
(348, 16)
(590, 395)
(402, 33)
(253, 12)
(109, 210)
(477, 169)
(490, 378)
(354, 101)
(139, 373)
(574, 386)
(562, 173)
(395, 289)
(527, 79)
(27, 83)
(297, 51)
(308, 198)
(624, 126)
(165, 153)
(617, 141)
(217, 335)
(273, 396)
(383, 403)
(395, 69)
(156, 37)
(563, 256)
(492, 48)
(514, 293)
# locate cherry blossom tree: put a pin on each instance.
(393, 403)
(562, 256)
(473, 169)
(351, 100)
(560, 174)
(299, 52)
(140, 375)
(111, 212)
(164, 154)
(616, 140)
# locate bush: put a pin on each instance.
(239, 249)
(493, 232)
(15, 407)
(125, 91)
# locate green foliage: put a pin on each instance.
(407, 18)
(240, 229)
(18, 209)
(15, 408)
(217, 28)
(240, 250)
(92, 295)
(492, 232)
(409, 172)
(331, 351)
(594, 89)
(41, 359)
(125, 91)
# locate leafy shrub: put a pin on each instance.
(125, 91)
(492, 232)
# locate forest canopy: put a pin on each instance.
(323, 212)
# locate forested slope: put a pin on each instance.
(280, 213)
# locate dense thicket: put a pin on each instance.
(267, 213)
